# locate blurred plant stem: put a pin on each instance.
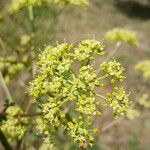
(4, 141)
(110, 125)
(33, 68)
(32, 51)
(3, 114)
(2, 44)
(101, 96)
(4, 85)
(56, 18)
(113, 52)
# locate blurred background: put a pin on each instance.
(56, 24)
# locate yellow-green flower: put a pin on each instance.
(122, 35)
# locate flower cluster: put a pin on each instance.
(51, 109)
(144, 100)
(114, 70)
(79, 131)
(45, 130)
(121, 35)
(14, 126)
(19, 4)
(133, 113)
(144, 68)
(119, 102)
(64, 94)
(10, 67)
(86, 48)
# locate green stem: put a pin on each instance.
(32, 51)
(30, 11)
(2, 44)
(31, 19)
(64, 102)
(102, 77)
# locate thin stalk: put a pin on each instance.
(110, 55)
(113, 52)
(111, 124)
(101, 96)
(102, 77)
